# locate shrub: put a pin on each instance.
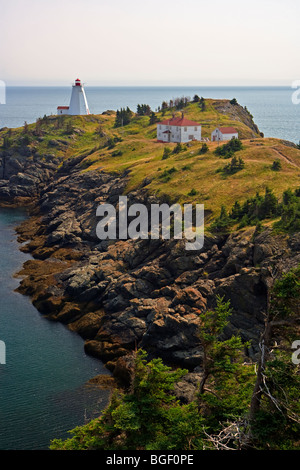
(192, 192)
(167, 153)
(234, 145)
(178, 148)
(204, 149)
(276, 165)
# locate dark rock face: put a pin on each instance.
(119, 295)
(24, 175)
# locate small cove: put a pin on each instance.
(43, 384)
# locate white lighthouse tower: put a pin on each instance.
(77, 103)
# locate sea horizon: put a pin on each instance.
(271, 105)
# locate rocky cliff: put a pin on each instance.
(119, 295)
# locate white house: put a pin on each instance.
(224, 133)
(78, 101)
(178, 129)
(62, 110)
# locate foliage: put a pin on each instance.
(258, 208)
(147, 417)
(178, 148)
(289, 210)
(167, 152)
(228, 149)
(203, 149)
(276, 165)
(123, 117)
(286, 294)
(153, 118)
(7, 142)
(192, 192)
(202, 104)
(221, 223)
(276, 421)
(143, 110)
(236, 164)
(166, 174)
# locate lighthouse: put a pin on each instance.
(78, 101)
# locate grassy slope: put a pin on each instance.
(142, 155)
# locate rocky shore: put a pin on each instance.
(122, 295)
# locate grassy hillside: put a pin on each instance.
(186, 176)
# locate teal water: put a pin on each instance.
(43, 390)
(272, 107)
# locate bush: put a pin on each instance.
(167, 153)
(166, 175)
(276, 165)
(204, 149)
(178, 148)
(236, 164)
(192, 192)
(234, 145)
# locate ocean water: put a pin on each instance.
(272, 107)
(43, 383)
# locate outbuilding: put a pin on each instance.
(224, 133)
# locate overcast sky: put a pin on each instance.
(156, 42)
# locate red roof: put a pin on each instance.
(179, 121)
(62, 107)
(227, 130)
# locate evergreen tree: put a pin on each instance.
(202, 104)
(153, 118)
(276, 165)
(275, 411)
(123, 117)
(204, 149)
(143, 110)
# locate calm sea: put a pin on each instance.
(272, 107)
(43, 384)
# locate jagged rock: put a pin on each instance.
(150, 292)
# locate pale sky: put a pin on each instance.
(156, 42)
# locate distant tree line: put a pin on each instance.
(143, 110)
(261, 207)
(123, 117)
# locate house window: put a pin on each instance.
(191, 137)
(185, 129)
(195, 128)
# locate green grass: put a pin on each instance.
(138, 151)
